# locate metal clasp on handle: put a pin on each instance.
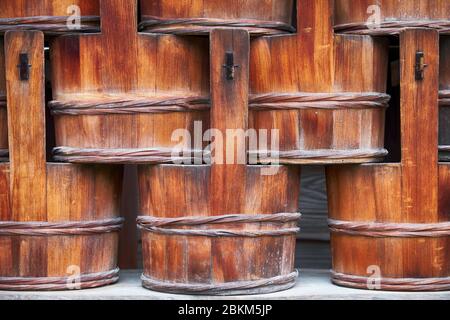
(230, 66)
(420, 65)
(24, 67)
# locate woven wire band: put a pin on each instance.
(160, 225)
(279, 283)
(392, 27)
(53, 25)
(2, 101)
(392, 284)
(86, 281)
(303, 100)
(60, 228)
(138, 155)
(167, 156)
(324, 154)
(273, 101)
(444, 98)
(129, 106)
(393, 230)
(202, 26)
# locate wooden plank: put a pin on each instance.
(316, 44)
(119, 29)
(419, 126)
(229, 111)
(26, 121)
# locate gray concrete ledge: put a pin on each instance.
(312, 285)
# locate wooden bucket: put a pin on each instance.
(201, 237)
(390, 222)
(103, 114)
(49, 16)
(384, 17)
(200, 17)
(220, 229)
(444, 99)
(3, 118)
(59, 223)
(328, 107)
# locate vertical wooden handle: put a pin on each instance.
(419, 122)
(316, 44)
(120, 44)
(230, 51)
(119, 19)
(26, 124)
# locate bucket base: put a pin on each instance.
(85, 281)
(262, 286)
(391, 284)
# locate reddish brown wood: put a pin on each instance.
(49, 16)
(90, 69)
(26, 115)
(324, 132)
(186, 191)
(353, 16)
(224, 265)
(35, 192)
(387, 196)
(200, 17)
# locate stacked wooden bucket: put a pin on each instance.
(59, 222)
(159, 97)
(390, 222)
